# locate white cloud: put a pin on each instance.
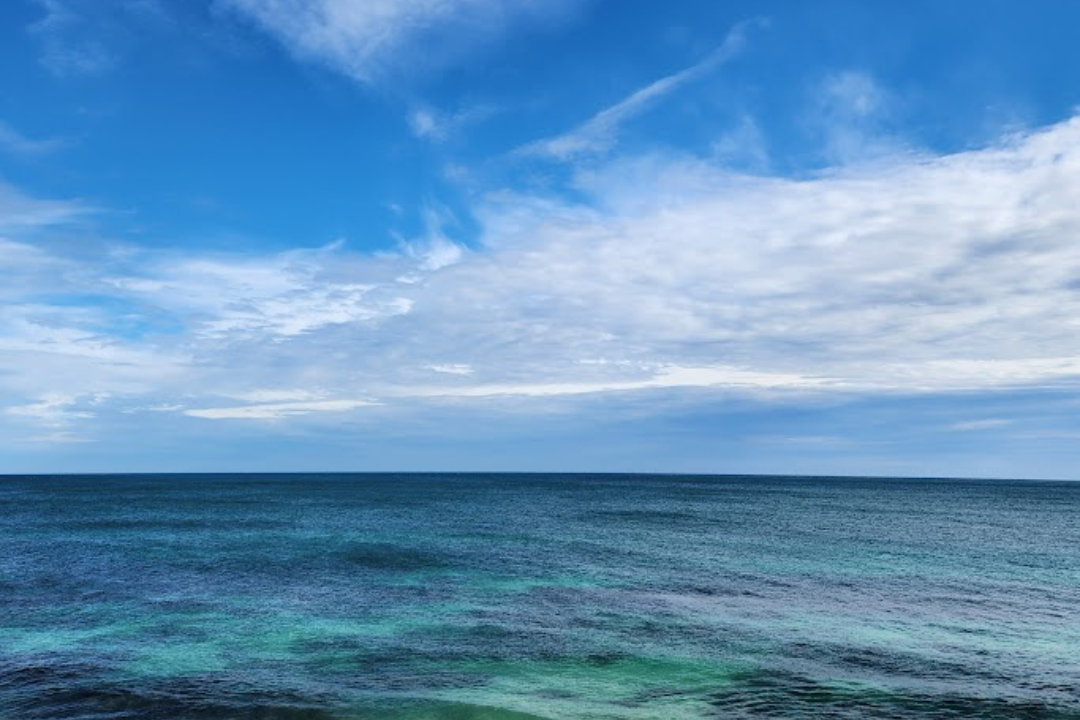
(915, 273)
(911, 275)
(20, 256)
(599, 133)
(434, 250)
(56, 437)
(160, 408)
(451, 368)
(668, 377)
(365, 39)
(975, 425)
(55, 410)
(300, 311)
(277, 411)
(430, 124)
(61, 335)
(851, 115)
(273, 396)
(285, 295)
(19, 212)
(61, 350)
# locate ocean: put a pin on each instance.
(518, 596)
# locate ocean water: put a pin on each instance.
(503, 597)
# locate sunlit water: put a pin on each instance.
(524, 596)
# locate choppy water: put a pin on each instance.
(493, 597)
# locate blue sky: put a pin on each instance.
(770, 236)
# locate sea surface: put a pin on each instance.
(515, 597)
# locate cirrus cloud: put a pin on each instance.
(365, 39)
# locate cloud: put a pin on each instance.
(21, 256)
(51, 410)
(430, 124)
(805, 441)
(854, 94)
(975, 425)
(599, 134)
(20, 212)
(743, 147)
(16, 143)
(451, 368)
(277, 411)
(366, 39)
(665, 378)
(919, 273)
(62, 333)
(50, 352)
(665, 274)
(161, 408)
(86, 39)
(285, 295)
(434, 250)
(276, 396)
(57, 414)
(65, 51)
(852, 116)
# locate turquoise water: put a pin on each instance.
(500, 597)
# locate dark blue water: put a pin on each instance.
(526, 596)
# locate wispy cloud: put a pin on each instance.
(600, 132)
(52, 410)
(19, 212)
(16, 143)
(56, 417)
(64, 50)
(665, 378)
(743, 147)
(437, 126)
(366, 39)
(281, 296)
(851, 115)
(278, 396)
(433, 250)
(976, 425)
(451, 368)
(804, 441)
(277, 411)
(90, 39)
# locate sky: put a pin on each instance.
(769, 236)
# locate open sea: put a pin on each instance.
(510, 597)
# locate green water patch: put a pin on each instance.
(602, 685)
(916, 646)
(444, 710)
(91, 633)
(769, 692)
(176, 659)
(262, 634)
(28, 641)
(509, 584)
(296, 637)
